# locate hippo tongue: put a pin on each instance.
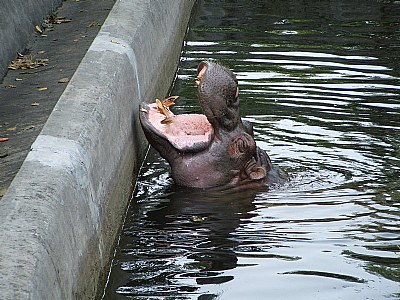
(186, 132)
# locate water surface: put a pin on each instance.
(320, 82)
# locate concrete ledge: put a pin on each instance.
(61, 214)
(17, 22)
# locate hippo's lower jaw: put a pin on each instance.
(216, 149)
(185, 133)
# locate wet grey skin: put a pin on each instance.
(228, 156)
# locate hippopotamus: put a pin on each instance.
(214, 149)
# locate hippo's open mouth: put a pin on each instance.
(185, 132)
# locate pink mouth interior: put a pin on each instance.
(185, 132)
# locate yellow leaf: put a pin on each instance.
(38, 29)
(11, 129)
(63, 80)
(18, 79)
(34, 104)
(42, 88)
(198, 219)
(3, 191)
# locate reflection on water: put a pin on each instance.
(320, 82)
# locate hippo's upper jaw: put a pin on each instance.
(216, 149)
(218, 95)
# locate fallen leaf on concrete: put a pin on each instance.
(4, 151)
(28, 127)
(3, 191)
(3, 139)
(63, 80)
(51, 18)
(42, 88)
(47, 26)
(93, 24)
(41, 52)
(11, 129)
(24, 62)
(54, 19)
(18, 79)
(34, 104)
(114, 41)
(38, 29)
(60, 20)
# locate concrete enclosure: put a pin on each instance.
(60, 215)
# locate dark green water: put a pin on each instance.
(320, 82)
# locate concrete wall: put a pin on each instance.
(18, 19)
(61, 214)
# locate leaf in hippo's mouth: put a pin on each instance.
(186, 132)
